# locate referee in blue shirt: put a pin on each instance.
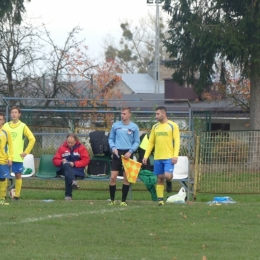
(123, 140)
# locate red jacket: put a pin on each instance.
(78, 155)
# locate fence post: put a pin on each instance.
(196, 173)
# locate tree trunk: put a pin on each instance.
(255, 102)
(254, 143)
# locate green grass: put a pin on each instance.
(90, 229)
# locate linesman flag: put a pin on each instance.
(132, 169)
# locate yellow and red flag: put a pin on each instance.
(132, 169)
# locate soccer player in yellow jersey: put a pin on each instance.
(6, 158)
(19, 130)
(165, 139)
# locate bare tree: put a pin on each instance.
(136, 47)
(19, 49)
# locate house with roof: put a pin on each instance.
(138, 93)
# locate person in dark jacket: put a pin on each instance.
(71, 159)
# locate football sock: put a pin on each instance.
(125, 190)
(18, 187)
(159, 191)
(6, 183)
(2, 188)
(112, 191)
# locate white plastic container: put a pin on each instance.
(28, 166)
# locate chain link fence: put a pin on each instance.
(229, 162)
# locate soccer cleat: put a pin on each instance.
(68, 198)
(161, 203)
(123, 204)
(168, 186)
(2, 202)
(74, 185)
(111, 203)
(16, 198)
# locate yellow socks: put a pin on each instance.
(2, 189)
(159, 193)
(18, 187)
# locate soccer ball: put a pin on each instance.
(12, 193)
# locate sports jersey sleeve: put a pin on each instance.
(27, 132)
(136, 140)
(176, 139)
(111, 138)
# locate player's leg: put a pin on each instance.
(159, 171)
(115, 167)
(17, 169)
(2, 191)
(126, 186)
(4, 173)
(168, 174)
(125, 190)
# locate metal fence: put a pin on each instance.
(48, 143)
(229, 162)
(51, 124)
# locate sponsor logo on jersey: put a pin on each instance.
(161, 134)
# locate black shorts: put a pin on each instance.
(117, 162)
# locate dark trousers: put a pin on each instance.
(68, 172)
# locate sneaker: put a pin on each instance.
(2, 202)
(111, 203)
(161, 203)
(168, 186)
(68, 198)
(74, 185)
(123, 204)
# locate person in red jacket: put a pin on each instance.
(71, 159)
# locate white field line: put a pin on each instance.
(31, 220)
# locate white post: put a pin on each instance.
(157, 48)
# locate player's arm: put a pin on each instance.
(27, 132)
(111, 139)
(176, 139)
(136, 142)
(150, 145)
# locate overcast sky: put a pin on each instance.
(97, 17)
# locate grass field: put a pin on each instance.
(90, 229)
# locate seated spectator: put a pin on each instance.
(71, 159)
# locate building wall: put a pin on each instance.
(175, 91)
(235, 123)
(124, 89)
(164, 71)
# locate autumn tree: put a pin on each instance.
(229, 85)
(202, 31)
(68, 72)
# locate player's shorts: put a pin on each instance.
(162, 166)
(4, 171)
(117, 164)
(17, 167)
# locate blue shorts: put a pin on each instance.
(162, 166)
(4, 171)
(17, 167)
